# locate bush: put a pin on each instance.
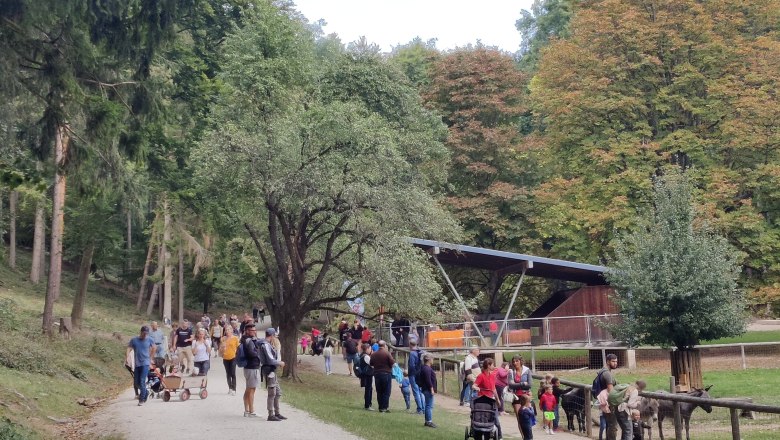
(8, 314)
(11, 431)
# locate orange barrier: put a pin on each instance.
(444, 338)
(521, 336)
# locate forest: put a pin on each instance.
(216, 153)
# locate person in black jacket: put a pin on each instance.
(427, 382)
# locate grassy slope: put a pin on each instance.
(42, 379)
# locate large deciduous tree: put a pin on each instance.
(481, 96)
(326, 165)
(676, 281)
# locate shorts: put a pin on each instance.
(549, 415)
(252, 376)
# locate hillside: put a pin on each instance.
(42, 380)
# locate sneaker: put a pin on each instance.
(430, 424)
(420, 413)
(384, 410)
(370, 409)
(546, 430)
(280, 417)
(252, 415)
(273, 418)
(140, 403)
(246, 413)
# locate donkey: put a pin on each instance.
(648, 411)
(666, 409)
(573, 404)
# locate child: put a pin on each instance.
(547, 403)
(604, 408)
(406, 389)
(638, 425)
(526, 417)
(327, 352)
(304, 343)
(557, 392)
(547, 381)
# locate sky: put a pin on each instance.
(388, 23)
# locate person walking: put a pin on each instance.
(470, 373)
(351, 350)
(363, 362)
(415, 364)
(158, 338)
(428, 388)
(327, 352)
(217, 331)
(144, 349)
(228, 350)
(201, 352)
(382, 362)
(271, 361)
(252, 368)
(183, 345)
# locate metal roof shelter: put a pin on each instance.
(506, 263)
(510, 262)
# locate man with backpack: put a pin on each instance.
(249, 358)
(415, 366)
(270, 362)
(606, 380)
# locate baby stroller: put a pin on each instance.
(153, 383)
(317, 345)
(483, 419)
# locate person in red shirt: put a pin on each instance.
(366, 336)
(547, 403)
(485, 385)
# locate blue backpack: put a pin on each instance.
(241, 355)
(597, 386)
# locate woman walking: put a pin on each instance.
(228, 350)
(327, 352)
(366, 379)
(201, 352)
(520, 382)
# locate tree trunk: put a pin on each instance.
(494, 290)
(181, 286)
(80, 300)
(153, 298)
(13, 200)
(129, 258)
(686, 369)
(166, 257)
(142, 289)
(61, 142)
(39, 244)
(288, 335)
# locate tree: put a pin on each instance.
(546, 20)
(676, 281)
(481, 96)
(325, 165)
(77, 58)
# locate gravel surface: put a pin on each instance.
(219, 416)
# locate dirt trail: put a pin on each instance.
(219, 416)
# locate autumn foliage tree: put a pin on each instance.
(481, 96)
(638, 85)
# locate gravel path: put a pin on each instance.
(219, 416)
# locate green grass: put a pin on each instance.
(339, 400)
(42, 378)
(754, 336)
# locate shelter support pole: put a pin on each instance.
(512, 303)
(457, 296)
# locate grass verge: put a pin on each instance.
(339, 400)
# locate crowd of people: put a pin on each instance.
(190, 349)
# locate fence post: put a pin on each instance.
(676, 410)
(587, 408)
(603, 356)
(547, 330)
(744, 360)
(587, 326)
(443, 381)
(533, 359)
(734, 423)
